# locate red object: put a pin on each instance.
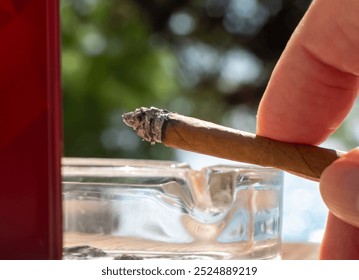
(30, 130)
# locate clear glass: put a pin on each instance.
(136, 209)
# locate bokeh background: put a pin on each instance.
(209, 59)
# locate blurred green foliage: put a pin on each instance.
(205, 58)
(109, 67)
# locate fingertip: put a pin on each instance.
(339, 187)
(315, 82)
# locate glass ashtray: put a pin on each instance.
(142, 209)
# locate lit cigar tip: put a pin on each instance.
(147, 122)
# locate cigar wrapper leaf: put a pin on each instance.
(194, 135)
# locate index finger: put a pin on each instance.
(315, 82)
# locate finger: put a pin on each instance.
(315, 82)
(340, 241)
(339, 187)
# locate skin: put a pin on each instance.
(311, 91)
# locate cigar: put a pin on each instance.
(194, 135)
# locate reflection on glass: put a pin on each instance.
(155, 209)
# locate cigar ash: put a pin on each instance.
(147, 122)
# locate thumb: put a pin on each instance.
(339, 186)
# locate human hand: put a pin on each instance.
(312, 89)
